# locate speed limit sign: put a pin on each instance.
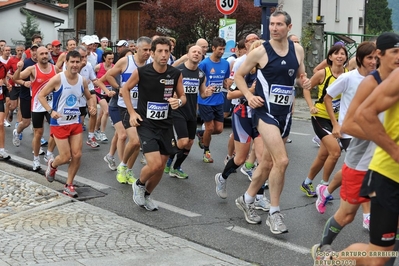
(227, 7)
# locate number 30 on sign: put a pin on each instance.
(227, 7)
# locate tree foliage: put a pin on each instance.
(29, 27)
(394, 5)
(189, 20)
(378, 17)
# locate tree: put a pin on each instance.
(188, 21)
(30, 27)
(378, 17)
(394, 5)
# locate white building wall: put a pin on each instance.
(294, 9)
(12, 19)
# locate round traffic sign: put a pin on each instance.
(227, 7)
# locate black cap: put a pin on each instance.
(387, 40)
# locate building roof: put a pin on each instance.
(42, 15)
(8, 4)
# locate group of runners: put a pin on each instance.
(149, 95)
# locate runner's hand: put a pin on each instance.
(174, 103)
(255, 101)
(305, 82)
(134, 120)
(92, 110)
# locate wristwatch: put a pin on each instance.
(180, 102)
(50, 111)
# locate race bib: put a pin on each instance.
(1, 90)
(49, 98)
(190, 85)
(281, 94)
(336, 104)
(157, 111)
(218, 87)
(134, 93)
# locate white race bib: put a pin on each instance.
(134, 93)
(336, 104)
(218, 87)
(1, 90)
(281, 94)
(157, 111)
(190, 85)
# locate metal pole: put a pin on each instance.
(90, 17)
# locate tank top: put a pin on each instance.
(134, 92)
(329, 78)
(38, 84)
(359, 152)
(155, 89)
(66, 102)
(101, 72)
(382, 162)
(275, 82)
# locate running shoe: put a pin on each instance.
(36, 164)
(97, 135)
(103, 137)
(366, 222)
(288, 141)
(267, 184)
(321, 201)
(4, 155)
(48, 157)
(92, 142)
(200, 139)
(249, 211)
(178, 173)
(316, 250)
(167, 166)
(41, 151)
(221, 190)
(138, 194)
(262, 204)
(110, 160)
(316, 141)
(130, 177)
(276, 224)
(6, 124)
(207, 157)
(43, 142)
(70, 191)
(308, 189)
(15, 138)
(149, 204)
(247, 172)
(50, 171)
(143, 161)
(121, 174)
(16, 126)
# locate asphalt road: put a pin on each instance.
(191, 209)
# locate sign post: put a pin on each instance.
(227, 7)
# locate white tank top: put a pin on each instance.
(134, 92)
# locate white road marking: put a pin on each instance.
(268, 239)
(297, 133)
(176, 209)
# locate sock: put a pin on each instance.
(122, 164)
(331, 230)
(365, 215)
(206, 149)
(324, 183)
(274, 209)
(180, 157)
(307, 181)
(91, 135)
(36, 158)
(326, 193)
(139, 183)
(391, 261)
(249, 165)
(229, 168)
(248, 199)
(49, 153)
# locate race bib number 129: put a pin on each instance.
(281, 94)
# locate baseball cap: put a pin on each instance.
(87, 39)
(56, 43)
(95, 39)
(122, 43)
(104, 39)
(387, 40)
(34, 45)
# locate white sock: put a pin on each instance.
(308, 181)
(365, 215)
(49, 153)
(36, 158)
(248, 199)
(274, 209)
(326, 193)
(122, 164)
(91, 134)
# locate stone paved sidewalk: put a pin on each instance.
(61, 231)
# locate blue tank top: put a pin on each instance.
(275, 82)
